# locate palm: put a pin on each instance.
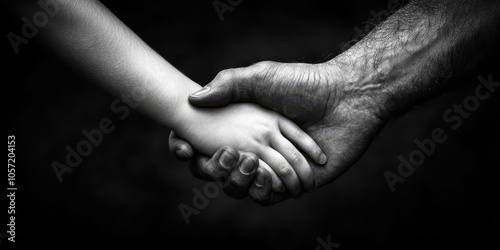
(334, 119)
(344, 135)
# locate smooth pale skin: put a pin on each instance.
(344, 102)
(89, 36)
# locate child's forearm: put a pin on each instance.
(96, 41)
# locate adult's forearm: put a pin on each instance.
(90, 37)
(421, 48)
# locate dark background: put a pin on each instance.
(127, 191)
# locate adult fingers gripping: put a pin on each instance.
(198, 168)
(276, 182)
(240, 179)
(260, 191)
(222, 163)
(179, 147)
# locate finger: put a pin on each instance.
(261, 188)
(277, 184)
(221, 164)
(180, 148)
(296, 160)
(225, 88)
(230, 85)
(197, 166)
(302, 140)
(242, 175)
(283, 169)
(261, 192)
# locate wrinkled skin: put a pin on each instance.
(324, 99)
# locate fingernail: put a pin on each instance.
(322, 158)
(227, 160)
(181, 154)
(201, 92)
(247, 166)
(260, 180)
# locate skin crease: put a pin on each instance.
(344, 102)
(90, 37)
(342, 123)
(344, 127)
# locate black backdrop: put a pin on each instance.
(127, 191)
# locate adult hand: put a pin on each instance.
(342, 115)
(343, 103)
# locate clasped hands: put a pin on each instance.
(302, 125)
(337, 106)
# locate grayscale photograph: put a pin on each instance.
(238, 124)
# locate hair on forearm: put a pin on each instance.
(426, 45)
(373, 22)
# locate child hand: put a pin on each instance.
(251, 128)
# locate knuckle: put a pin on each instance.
(296, 158)
(225, 74)
(258, 197)
(263, 135)
(300, 134)
(213, 171)
(267, 132)
(285, 169)
(261, 69)
(236, 180)
(263, 65)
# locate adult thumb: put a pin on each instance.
(227, 87)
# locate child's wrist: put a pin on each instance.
(185, 114)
